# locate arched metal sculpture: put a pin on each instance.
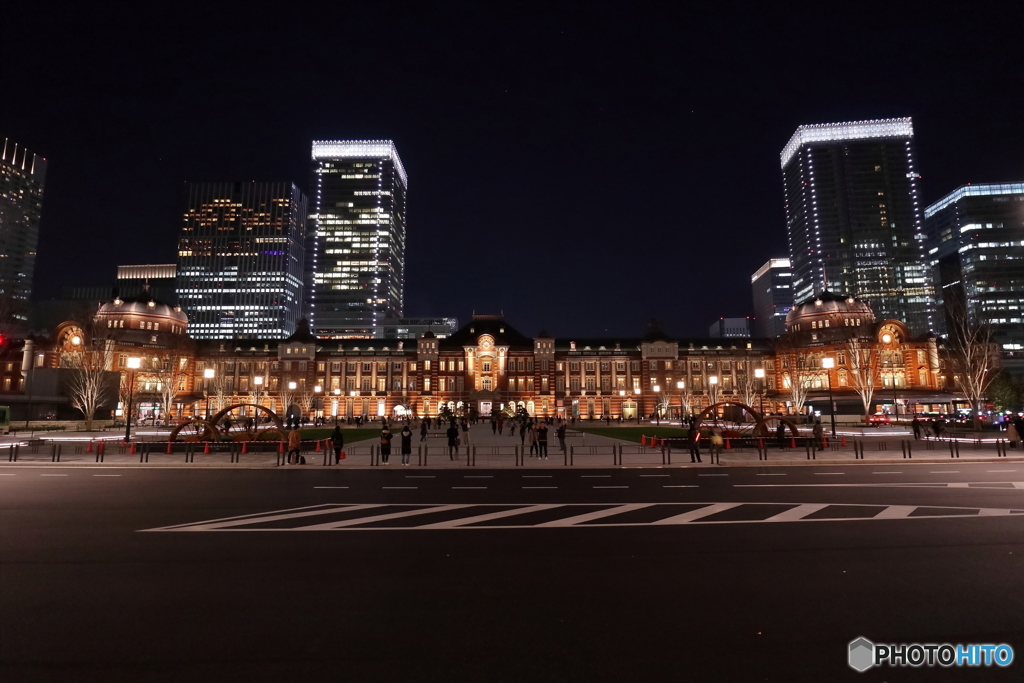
(221, 428)
(760, 422)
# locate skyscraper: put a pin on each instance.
(240, 259)
(355, 269)
(772, 285)
(853, 217)
(976, 234)
(22, 179)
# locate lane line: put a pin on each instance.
(655, 475)
(1000, 470)
(537, 476)
(692, 515)
(799, 512)
(469, 487)
(454, 523)
(834, 473)
(680, 486)
(106, 475)
(8, 475)
(609, 487)
(712, 475)
(577, 519)
(890, 472)
(400, 487)
(316, 487)
(945, 472)
(379, 518)
(419, 476)
(540, 487)
(478, 476)
(771, 474)
(596, 476)
(53, 475)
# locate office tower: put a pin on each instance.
(729, 327)
(240, 259)
(159, 280)
(22, 179)
(853, 218)
(772, 284)
(355, 269)
(976, 235)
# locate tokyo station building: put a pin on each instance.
(484, 366)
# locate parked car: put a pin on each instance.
(879, 419)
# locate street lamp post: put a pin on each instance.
(828, 364)
(681, 385)
(316, 400)
(257, 382)
(337, 405)
(208, 374)
(133, 364)
(713, 389)
(657, 405)
(291, 387)
(636, 393)
(759, 374)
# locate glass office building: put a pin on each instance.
(241, 259)
(853, 218)
(976, 239)
(772, 285)
(355, 268)
(22, 179)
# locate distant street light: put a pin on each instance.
(828, 364)
(759, 374)
(134, 363)
(208, 373)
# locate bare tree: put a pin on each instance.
(287, 399)
(748, 384)
(307, 400)
(973, 356)
(863, 372)
(89, 381)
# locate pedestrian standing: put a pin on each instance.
(424, 426)
(694, 442)
(522, 434)
(494, 426)
(542, 441)
(560, 433)
(385, 444)
(915, 426)
(338, 443)
(294, 446)
(501, 426)
(406, 444)
(819, 435)
(533, 439)
(465, 431)
(453, 441)
(780, 434)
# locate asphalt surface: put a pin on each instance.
(411, 574)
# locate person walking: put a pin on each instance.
(915, 426)
(560, 433)
(780, 434)
(494, 426)
(465, 431)
(424, 426)
(453, 441)
(294, 446)
(522, 434)
(716, 442)
(693, 439)
(819, 435)
(533, 439)
(385, 444)
(542, 441)
(337, 443)
(406, 444)
(501, 426)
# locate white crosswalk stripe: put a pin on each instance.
(386, 516)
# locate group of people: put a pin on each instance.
(933, 427)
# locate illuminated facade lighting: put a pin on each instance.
(241, 258)
(22, 181)
(355, 267)
(853, 218)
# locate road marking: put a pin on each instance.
(53, 475)
(771, 474)
(469, 487)
(8, 475)
(655, 475)
(985, 485)
(890, 472)
(537, 476)
(797, 513)
(826, 473)
(609, 487)
(478, 476)
(454, 523)
(896, 512)
(599, 514)
(380, 518)
(680, 486)
(596, 476)
(1000, 470)
(470, 515)
(692, 515)
(316, 487)
(540, 487)
(106, 475)
(945, 472)
(712, 475)
(419, 476)
(399, 487)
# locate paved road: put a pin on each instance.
(737, 574)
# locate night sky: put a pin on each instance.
(581, 167)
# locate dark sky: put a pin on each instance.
(581, 167)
